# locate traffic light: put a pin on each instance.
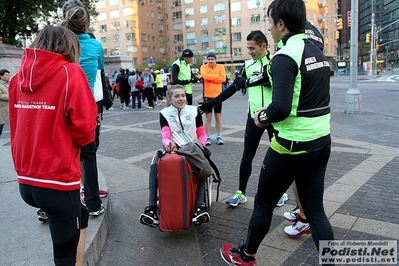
(368, 38)
(377, 47)
(339, 24)
(336, 35)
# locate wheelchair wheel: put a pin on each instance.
(208, 192)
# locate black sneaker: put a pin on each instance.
(98, 212)
(42, 216)
(150, 216)
(200, 216)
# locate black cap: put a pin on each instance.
(211, 54)
(187, 53)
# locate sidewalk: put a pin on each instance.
(361, 195)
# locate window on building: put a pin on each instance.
(162, 50)
(204, 33)
(102, 16)
(113, 2)
(103, 28)
(218, 6)
(252, 4)
(129, 36)
(204, 21)
(105, 51)
(135, 60)
(143, 37)
(237, 51)
(176, 3)
(204, 45)
(235, 22)
(189, 11)
(160, 16)
(161, 38)
(100, 4)
(153, 26)
(190, 23)
(188, 1)
(135, 50)
(103, 39)
(220, 31)
(115, 26)
(237, 37)
(178, 37)
(255, 19)
(152, 14)
(219, 19)
(191, 35)
(177, 26)
(177, 15)
(116, 38)
(235, 6)
(114, 14)
(126, 11)
(159, 4)
(160, 28)
(220, 44)
(144, 49)
(203, 9)
(153, 37)
(129, 49)
(192, 48)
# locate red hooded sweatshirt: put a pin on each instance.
(52, 114)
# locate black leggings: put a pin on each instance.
(253, 135)
(276, 176)
(65, 214)
(149, 93)
(189, 98)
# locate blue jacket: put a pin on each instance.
(91, 57)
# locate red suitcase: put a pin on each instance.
(177, 188)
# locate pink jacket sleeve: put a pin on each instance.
(201, 134)
(166, 139)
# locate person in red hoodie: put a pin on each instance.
(52, 114)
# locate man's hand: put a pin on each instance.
(205, 107)
(261, 124)
(240, 82)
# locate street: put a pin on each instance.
(130, 138)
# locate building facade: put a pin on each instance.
(152, 30)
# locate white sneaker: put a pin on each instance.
(297, 229)
(292, 215)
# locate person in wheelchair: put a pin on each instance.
(172, 118)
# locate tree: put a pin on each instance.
(22, 18)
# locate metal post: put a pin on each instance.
(372, 43)
(353, 100)
(264, 17)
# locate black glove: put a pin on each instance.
(194, 80)
(241, 82)
(205, 107)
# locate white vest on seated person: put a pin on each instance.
(185, 117)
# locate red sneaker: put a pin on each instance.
(103, 193)
(233, 257)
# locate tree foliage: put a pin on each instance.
(22, 18)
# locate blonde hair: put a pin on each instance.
(76, 19)
(58, 40)
(170, 91)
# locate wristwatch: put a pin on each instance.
(262, 117)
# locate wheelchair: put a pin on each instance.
(214, 178)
